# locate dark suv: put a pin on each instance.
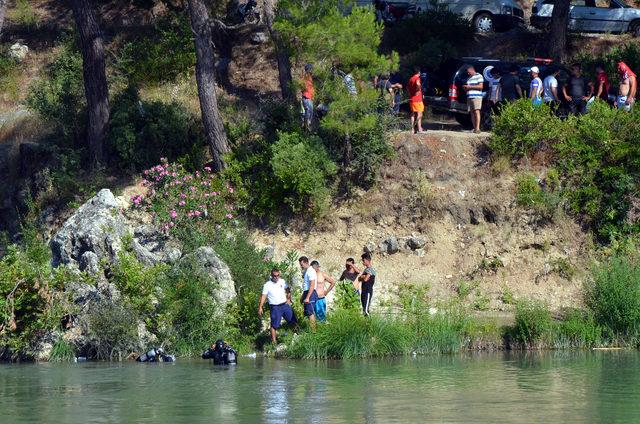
(444, 92)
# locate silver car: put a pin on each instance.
(608, 16)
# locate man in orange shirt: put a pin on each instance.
(307, 97)
(415, 101)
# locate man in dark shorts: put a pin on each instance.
(309, 295)
(368, 279)
(510, 85)
(577, 91)
(351, 273)
(277, 292)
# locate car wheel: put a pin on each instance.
(483, 23)
(464, 120)
(634, 29)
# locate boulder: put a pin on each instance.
(97, 227)
(18, 51)
(390, 245)
(259, 38)
(224, 290)
(415, 243)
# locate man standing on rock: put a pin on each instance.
(416, 106)
(368, 279)
(278, 293)
(309, 295)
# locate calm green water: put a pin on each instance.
(548, 387)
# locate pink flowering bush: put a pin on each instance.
(186, 202)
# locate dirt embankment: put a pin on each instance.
(480, 246)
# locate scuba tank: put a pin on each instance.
(148, 356)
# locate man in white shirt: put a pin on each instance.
(474, 87)
(309, 295)
(550, 87)
(277, 292)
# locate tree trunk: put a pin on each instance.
(3, 12)
(95, 78)
(284, 64)
(205, 76)
(557, 49)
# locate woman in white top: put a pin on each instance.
(535, 89)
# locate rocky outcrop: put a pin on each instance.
(223, 287)
(97, 227)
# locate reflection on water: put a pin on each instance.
(533, 387)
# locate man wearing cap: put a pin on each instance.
(535, 89)
(277, 292)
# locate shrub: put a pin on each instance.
(143, 132)
(62, 352)
(164, 56)
(520, 128)
(58, 97)
(186, 204)
(113, 332)
(304, 170)
(530, 194)
(443, 332)
(348, 334)
(532, 322)
(9, 75)
(29, 302)
(613, 295)
(577, 329)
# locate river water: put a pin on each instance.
(537, 387)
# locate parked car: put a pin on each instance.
(444, 93)
(486, 15)
(611, 16)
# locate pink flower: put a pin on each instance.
(146, 172)
(183, 196)
(173, 214)
(192, 188)
(197, 213)
(229, 216)
(230, 189)
(208, 169)
(182, 203)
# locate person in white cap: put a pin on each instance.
(535, 89)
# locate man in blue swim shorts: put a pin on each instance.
(277, 292)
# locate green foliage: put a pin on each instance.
(628, 53)
(113, 332)
(29, 303)
(188, 205)
(530, 194)
(58, 97)
(292, 175)
(563, 267)
(166, 54)
(9, 74)
(614, 295)
(443, 332)
(62, 352)
(143, 132)
(304, 169)
(521, 127)
(532, 323)
(348, 334)
(346, 296)
(24, 14)
(190, 316)
(578, 329)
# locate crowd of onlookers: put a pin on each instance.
(277, 292)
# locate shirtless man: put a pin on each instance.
(321, 303)
(627, 88)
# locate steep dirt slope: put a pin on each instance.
(478, 241)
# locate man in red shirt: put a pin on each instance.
(415, 101)
(602, 83)
(307, 96)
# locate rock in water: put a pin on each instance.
(206, 258)
(96, 227)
